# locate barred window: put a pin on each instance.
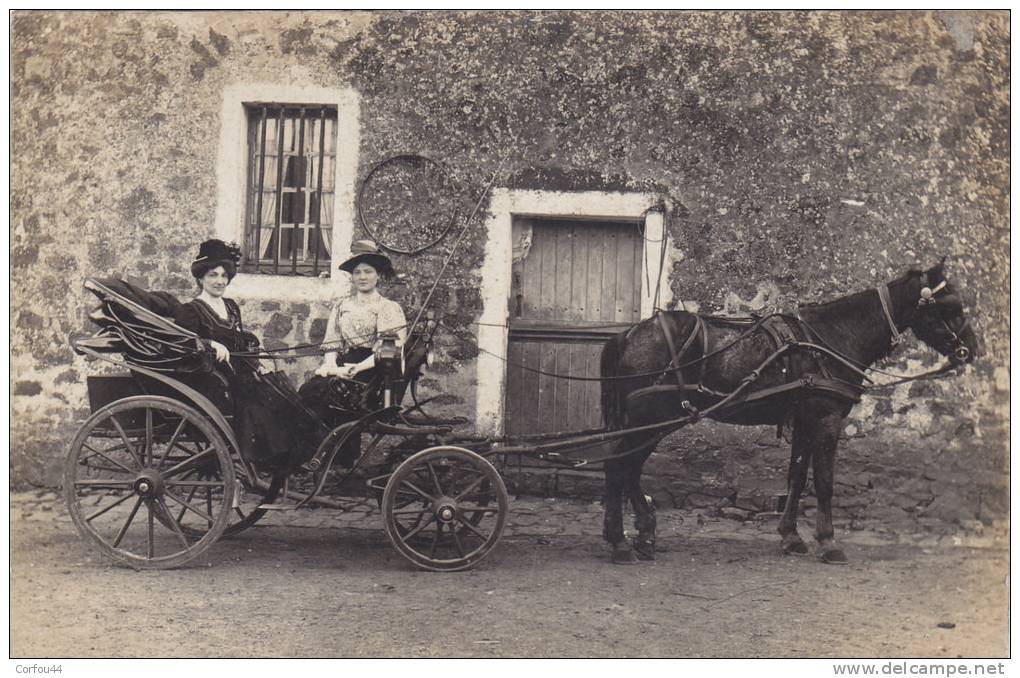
(291, 167)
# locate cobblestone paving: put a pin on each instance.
(550, 518)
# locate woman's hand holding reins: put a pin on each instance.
(326, 370)
(222, 353)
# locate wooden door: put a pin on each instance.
(574, 284)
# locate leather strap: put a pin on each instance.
(697, 331)
(674, 356)
(883, 295)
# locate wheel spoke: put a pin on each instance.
(471, 488)
(474, 529)
(115, 448)
(191, 495)
(171, 444)
(411, 512)
(148, 452)
(112, 461)
(418, 490)
(127, 523)
(194, 483)
(103, 510)
(189, 463)
(435, 479)
(493, 510)
(435, 539)
(186, 505)
(173, 523)
(152, 538)
(418, 529)
(208, 503)
(417, 520)
(456, 541)
(102, 482)
(127, 443)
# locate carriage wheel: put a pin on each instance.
(245, 511)
(150, 481)
(445, 508)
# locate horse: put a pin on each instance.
(805, 371)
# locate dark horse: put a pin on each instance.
(806, 371)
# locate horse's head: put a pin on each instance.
(939, 321)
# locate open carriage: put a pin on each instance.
(157, 474)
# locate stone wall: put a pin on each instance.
(800, 155)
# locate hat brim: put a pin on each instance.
(200, 268)
(380, 262)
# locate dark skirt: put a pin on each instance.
(274, 428)
(339, 401)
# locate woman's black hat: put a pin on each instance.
(213, 253)
(366, 251)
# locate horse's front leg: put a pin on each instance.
(824, 465)
(612, 520)
(800, 460)
(644, 523)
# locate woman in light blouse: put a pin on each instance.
(354, 328)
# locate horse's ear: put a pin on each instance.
(936, 273)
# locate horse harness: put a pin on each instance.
(787, 333)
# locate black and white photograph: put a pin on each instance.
(510, 334)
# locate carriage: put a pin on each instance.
(157, 473)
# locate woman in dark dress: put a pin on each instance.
(273, 428)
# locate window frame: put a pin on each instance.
(258, 115)
(231, 184)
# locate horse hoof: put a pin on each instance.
(833, 557)
(623, 556)
(796, 548)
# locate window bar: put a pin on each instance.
(318, 188)
(279, 190)
(262, 186)
(294, 229)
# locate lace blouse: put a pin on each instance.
(357, 323)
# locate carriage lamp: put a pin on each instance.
(388, 358)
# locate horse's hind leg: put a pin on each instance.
(612, 520)
(824, 463)
(644, 523)
(800, 460)
(644, 510)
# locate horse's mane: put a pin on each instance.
(822, 304)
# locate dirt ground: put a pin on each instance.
(719, 588)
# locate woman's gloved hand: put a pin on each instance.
(222, 354)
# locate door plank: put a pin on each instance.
(609, 275)
(547, 283)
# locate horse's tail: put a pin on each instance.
(612, 405)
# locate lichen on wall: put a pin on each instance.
(801, 156)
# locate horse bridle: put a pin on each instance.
(927, 301)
